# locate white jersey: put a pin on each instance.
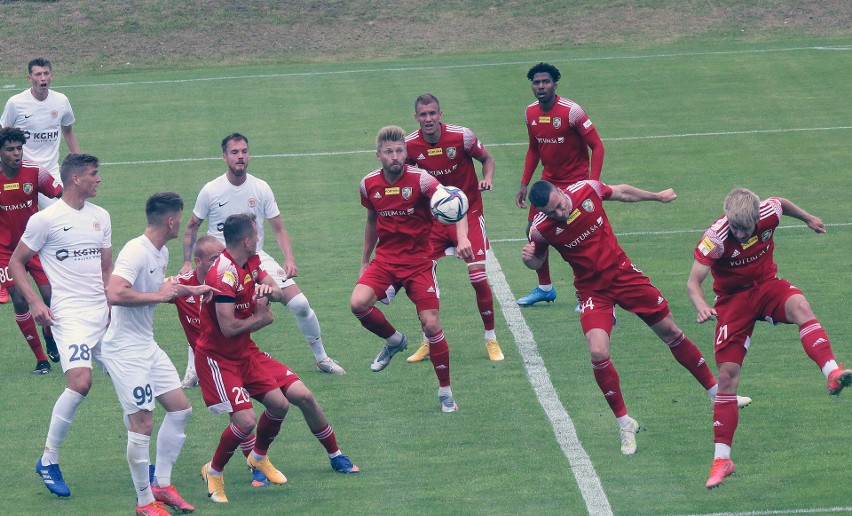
(69, 243)
(131, 328)
(42, 122)
(220, 199)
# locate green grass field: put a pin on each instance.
(772, 116)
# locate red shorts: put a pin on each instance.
(444, 240)
(228, 385)
(33, 267)
(632, 291)
(419, 282)
(737, 313)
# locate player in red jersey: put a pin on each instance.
(206, 251)
(232, 370)
(561, 138)
(447, 152)
(738, 250)
(398, 227)
(574, 222)
(21, 182)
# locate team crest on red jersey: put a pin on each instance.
(557, 122)
(766, 235)
(588, 205)
(406, 192)
(28, 188)
(451, 152)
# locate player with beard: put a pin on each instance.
(573, 221)
(398, 227)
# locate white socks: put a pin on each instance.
(64, 411)
(306, 320)
(170, 441)
(138, 459)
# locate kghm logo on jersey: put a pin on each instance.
(588, 205)
(406, 192)
(765, 236)
(451, 152)
(557, 122)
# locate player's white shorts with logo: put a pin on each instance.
(77, 334)
(139, 379)
(275, 271)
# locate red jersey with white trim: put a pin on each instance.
(189, 307)
(450, 160)
(404, 220)
(19, 200)
(585, 240)
(235, 284)
(556, 139)
(737, 266)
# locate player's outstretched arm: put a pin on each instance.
(283, 239)
(695, 291)
(463, 247)
(487, 182)
(629, 193)
(120, 293)
(189, 237)
(17, 269)
(231, 326)
(70, 139)
(371, 237)
(269, 289)
(530, 258)
(790, 208)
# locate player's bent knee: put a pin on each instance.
(299, 305)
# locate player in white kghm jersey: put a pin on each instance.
(140, 371)
(45, 116)
(74, 241)
(237, 192)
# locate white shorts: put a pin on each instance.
(275, 271)
(78, 334)
(138, 380)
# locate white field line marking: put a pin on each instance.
(673, 232)
(444, 67)
(779, 511)
(516, 144)
(563, 427)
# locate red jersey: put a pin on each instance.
(737, 266)
(189, 307)
(556, 139)
(585, 240)
(19, 200)
(235, 284)
(404, 220)
(450, 160)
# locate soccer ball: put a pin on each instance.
(449, 204)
